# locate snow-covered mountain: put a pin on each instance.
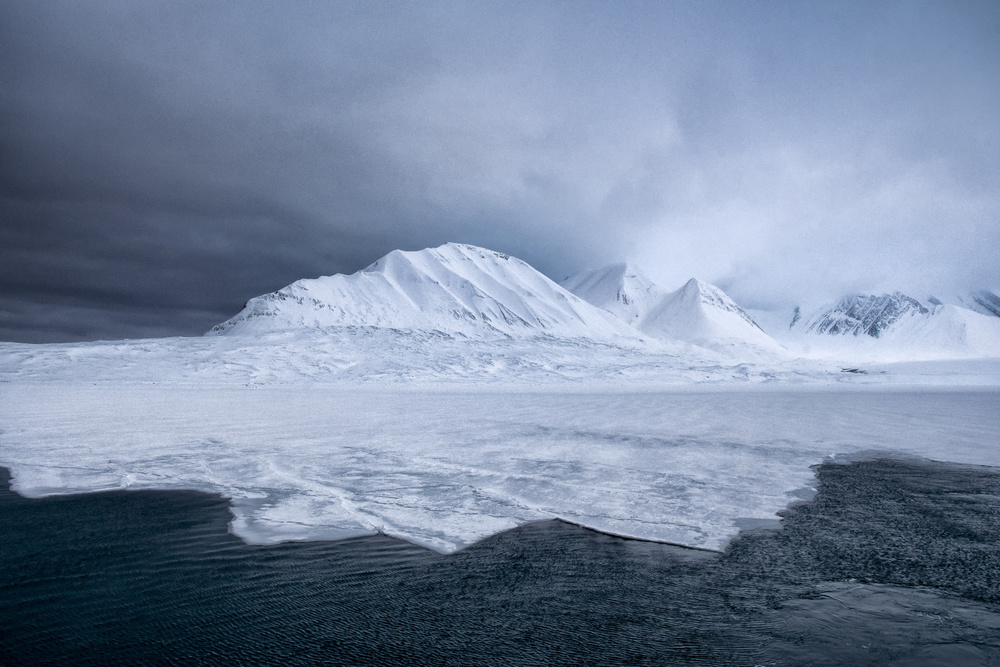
(702, 313)
(621, 289)
(469, 292)
(895, 327)
(698, 312)
(979, 301)
(862, 314)
(949, 328)
(453, 289)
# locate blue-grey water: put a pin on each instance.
(893, 562)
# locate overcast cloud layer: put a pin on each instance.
(164, 162)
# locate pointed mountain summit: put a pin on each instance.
(702, 313)
(453, 289)
(698, 312)
(620, 288)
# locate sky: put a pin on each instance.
(164, 162)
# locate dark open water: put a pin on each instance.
(894, 562)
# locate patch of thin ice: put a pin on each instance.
(446, 467)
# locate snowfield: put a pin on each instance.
(445, 441)
(444, 395)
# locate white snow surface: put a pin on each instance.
(705, 315)
(454, 289)
(621, 289)
(698, 312)
(444, 395)
(445, 440)
(943, 332)
(982, 301)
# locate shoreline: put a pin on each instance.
(894, 561)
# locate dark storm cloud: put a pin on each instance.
(167, 161)
(163, 162)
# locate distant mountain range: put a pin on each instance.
(466, 291)
(902, 325)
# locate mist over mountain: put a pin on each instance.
(171, 161)
(892, 326)
(622, 289)
(697, 312)
(864, 315)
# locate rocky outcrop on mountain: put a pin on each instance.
(864, 315)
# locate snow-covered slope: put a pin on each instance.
(454, 289)
(894, 327)
(863, 314)
(445, 395)
(703, 314)
(620, 288)
(946, 331)
(980, 301)
(697, 313)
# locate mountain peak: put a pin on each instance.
(620, 273)
(697, 312)
(695, 286)
(455, 289)
(702, 313)
(864, 314)
(445, 254)
(712, 296)
(897, 326)
(622, 288)
(692, 283)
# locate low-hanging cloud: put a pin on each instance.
(167, 162)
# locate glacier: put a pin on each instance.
(445, 395)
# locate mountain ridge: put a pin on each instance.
(455, 288)
(620, 288)
(864, 314)
(465, 291)
(697, 312)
